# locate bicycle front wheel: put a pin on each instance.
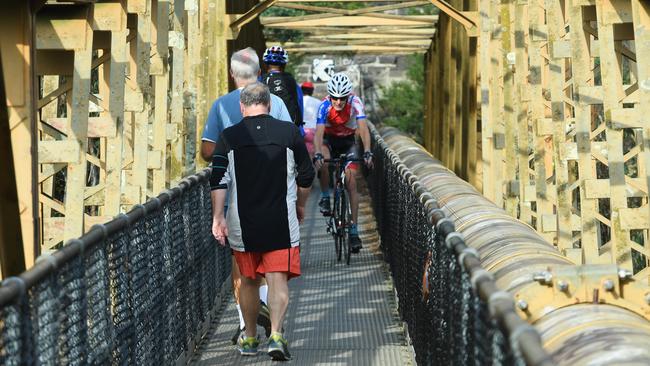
(338, 242)
(343, 213)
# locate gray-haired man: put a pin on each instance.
(225, 112)
(266, 167)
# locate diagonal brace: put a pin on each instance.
(453, 13)
(252, 14)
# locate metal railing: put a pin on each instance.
(454, 311)
(139, 289)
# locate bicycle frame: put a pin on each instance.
(338, 224)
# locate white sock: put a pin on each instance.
(264, 293)
(241, 318)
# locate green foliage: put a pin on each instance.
(282, 35)
(402, 103)
(423, 10)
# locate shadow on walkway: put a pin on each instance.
(338, 314)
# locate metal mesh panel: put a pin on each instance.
(73, 345)
(136, 290)
(120, 290)
(45, 305)
(451, 325)
(101, 334)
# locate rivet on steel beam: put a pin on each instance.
(608, 285)
(624, 274)
(562, 285)
(544, 277)
(522, 304)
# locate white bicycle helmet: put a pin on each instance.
(339, 85)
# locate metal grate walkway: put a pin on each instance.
(338, 314)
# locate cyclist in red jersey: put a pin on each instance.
(341, 117)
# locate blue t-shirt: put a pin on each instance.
(225, 112)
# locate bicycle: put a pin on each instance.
(338, 223)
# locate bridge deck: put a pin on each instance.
(338, 314)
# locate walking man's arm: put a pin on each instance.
(305, 173)
(219, 180)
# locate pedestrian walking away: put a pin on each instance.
(265, 165)
(310, 116)
(225, 112)
(282, 83)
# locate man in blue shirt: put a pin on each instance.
(226, 112)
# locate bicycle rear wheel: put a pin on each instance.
(343, 212)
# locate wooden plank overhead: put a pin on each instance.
(380, 8)
(378, 35)
(348, 21)
(359, 48)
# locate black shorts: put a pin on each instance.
(342, 145)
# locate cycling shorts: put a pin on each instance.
(343, 145)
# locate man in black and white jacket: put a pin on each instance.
(267, 169)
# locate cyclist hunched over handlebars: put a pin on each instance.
(340, 117)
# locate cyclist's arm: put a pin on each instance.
(318, 138)
(364, 133)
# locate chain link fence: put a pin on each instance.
(454, 312)
(139, 289)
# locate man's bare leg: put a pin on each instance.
(235, 277)
(250, 303)
(352, 192)
(236, 283)
(351, 186)
(278, 298)
(324, 173)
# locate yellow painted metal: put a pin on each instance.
(592, 314)
(74, 41)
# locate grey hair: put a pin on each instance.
(255, 93)
(245, 64)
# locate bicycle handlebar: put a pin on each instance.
(342, 158)
(337, 160)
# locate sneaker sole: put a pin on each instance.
(278, 355)
(247, 353)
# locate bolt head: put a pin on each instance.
(563, 286)
(548, 277)
(544, 277)
(608, 285)
(624, 274)
(522, 304)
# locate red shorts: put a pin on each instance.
(252, 264)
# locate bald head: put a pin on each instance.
(255, 99)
